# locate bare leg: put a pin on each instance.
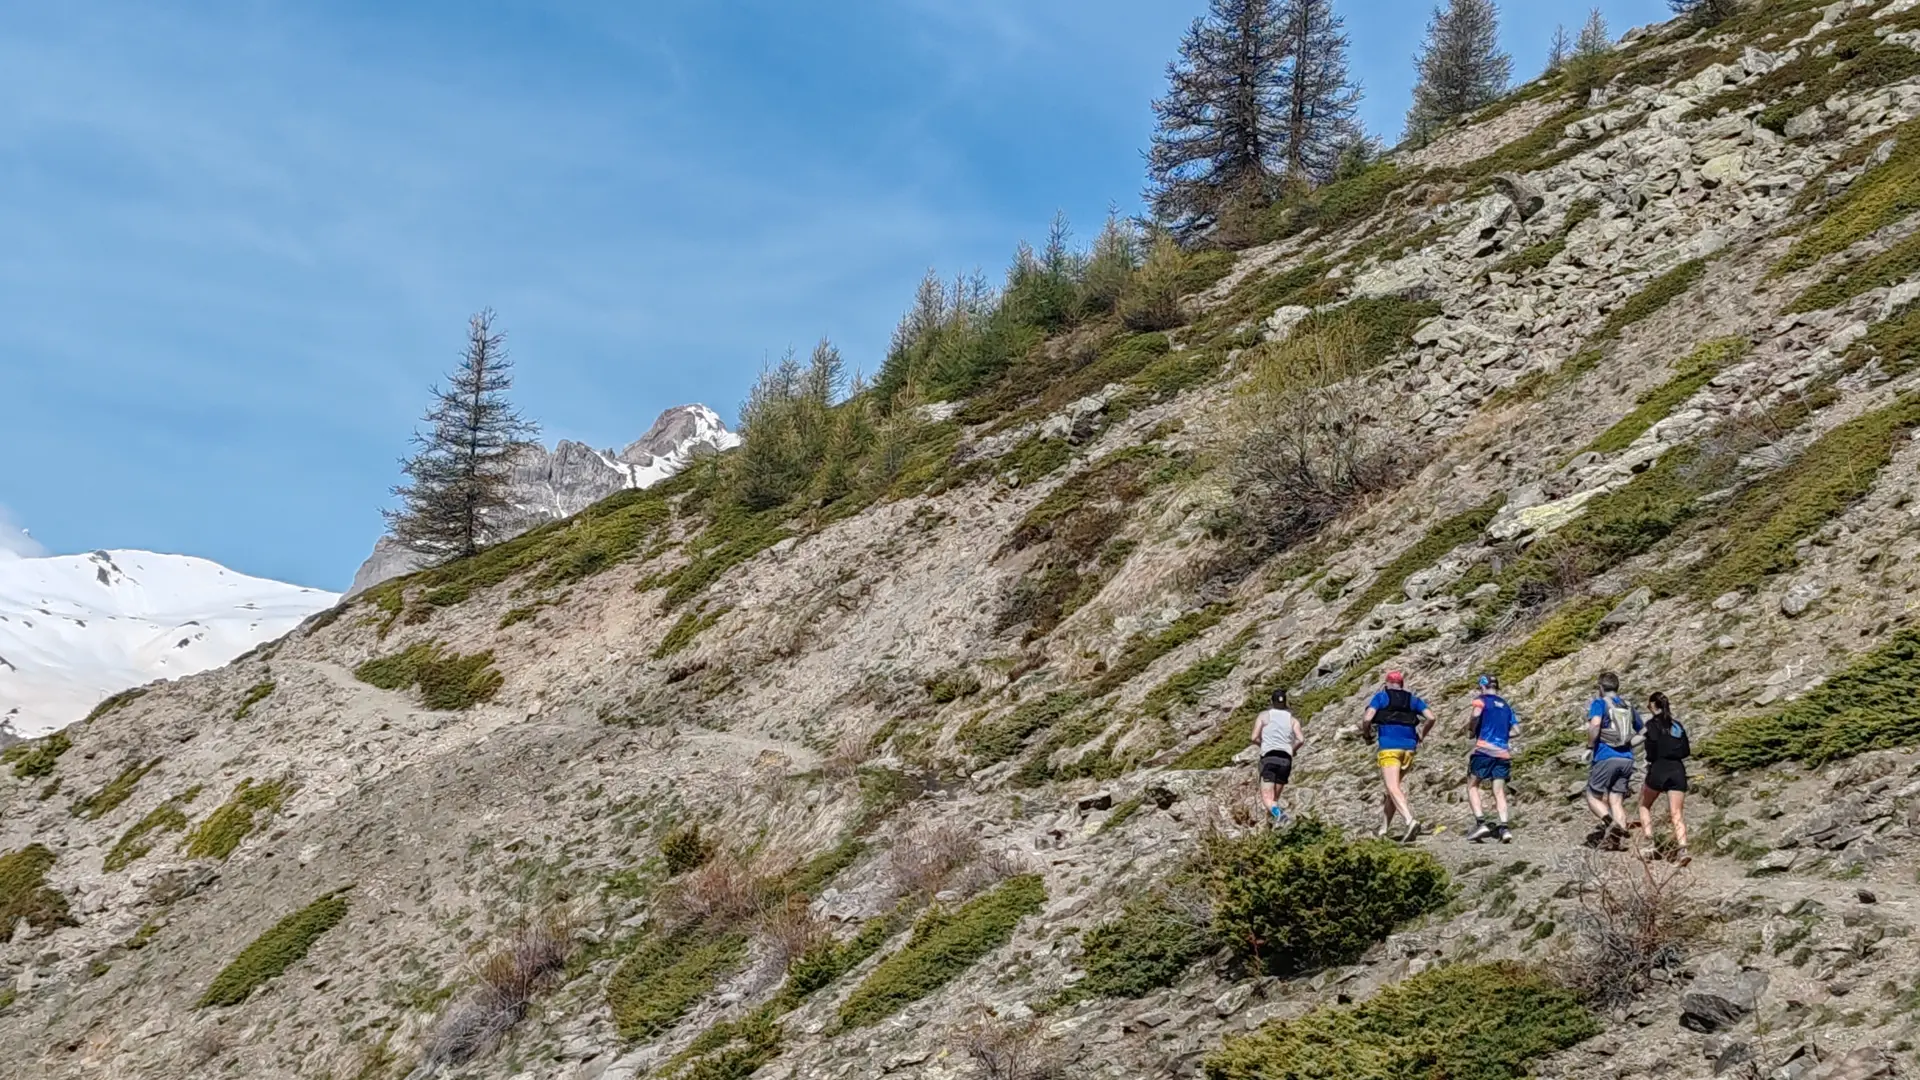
(1473, 794)
(1596, 805)
(1386, 805)
(1618, 804)
(1499, 800)
(1396, 797)
(1647, 796)
(1267, 794)
(1676, 805)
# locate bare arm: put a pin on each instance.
(1473, 718)
(1299, 737)
(1259, 727)
(1426, 728)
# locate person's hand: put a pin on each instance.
(1586, 756)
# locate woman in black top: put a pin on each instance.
(1667, 751)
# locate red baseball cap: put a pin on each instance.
(1394, 677)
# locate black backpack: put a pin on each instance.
(1398, 713)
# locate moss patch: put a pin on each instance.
(1560, 636)
(1868, 706)
(447, 680)
(168, 817)
(689, 626)
(731, 538)
(1896, 264)
(1757, 533)
(1142, 650)
(990, 743)
(273, 952)
(1657, 404)
(944, 944)
(37, 758)
(227, 827)
(1882, 195)
(113, 792)
(115, 702)
(1462, 1022)
(665, 976)
(24, 893)
(255, 694)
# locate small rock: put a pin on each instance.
(1718, 1002)
(1728, 601)
(1800, 596)
(1805, 123)
(1866, 896)
(1101, 801)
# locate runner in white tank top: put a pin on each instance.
(1278, 735)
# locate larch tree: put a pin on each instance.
(1219, 130)
(1558, 50)
(1587, 67)
(1320, 95)
(1460, 66)
(1706, 12)
(458, 476)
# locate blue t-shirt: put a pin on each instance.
(1396, 736)
(1601, 751)
(1494, 736)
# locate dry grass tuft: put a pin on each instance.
(1003, 1049)
(1637, 916)
(724, 891)
(507, 982)
(925, 859)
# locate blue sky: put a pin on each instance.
(238, 240)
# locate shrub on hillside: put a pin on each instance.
(665, 976)
(1868, 706)
(36, 759)
(223, 831)
(1636, 918)
(447, 680)
(273, 952)
(24, 893)
(685, 848)
(169, 816)
(507, 982)
(113, 792)
(944, 945)
(1461, 1022)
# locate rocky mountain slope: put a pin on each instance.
(552, 484)
(933, 773)
(77, 628)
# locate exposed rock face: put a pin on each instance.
(557, 483)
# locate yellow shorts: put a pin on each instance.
(1401, 759)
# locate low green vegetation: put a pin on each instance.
(115, 702)
(1882, 195)
(1446, 535)
(1757, 533)
(689, 626)
(1248, 894)
(1264, 292)
(943, 945)
(686, 848)
(168, 817)
(1896, 264)
(728, 1050)
(273, 952)
(1655, 405)
(255, 694)
(1036, 458)
(1186, 687)
(1461, 1022)
(1655, 295)
(1142, 650)
(1893, 341)
(665, 976)
(25, 894)
(1560, 636)
(729, 539)
(824, 965)
(1851, 58)
(447, 680)
(113, 792)
(226, 828)
(1867, 706)
(36, 758)
(991, 742)
(1532, 259)
(1334, 206)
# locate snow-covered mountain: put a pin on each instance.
(76, 628)
(557, 483)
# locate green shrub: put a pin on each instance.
(447, 595)
(689, 626)
(1560, 636)
(731, 538)
(1263, 292)
(728, 1050)
(1187, 686)
(448, 681)
(1657, 404)
(1894, 342)
(1756, 534)
(1357, 892)
(1531, 259)
(35, 759)
(255, 694)
(666, 976)
(1868, 706)
(518, 615)
(115, 702)
(223, 830)
(1149, 945)
(1036, 457)
(1898, 263)
(951, 686)
(1123, 811)
(992, 743)
(273, 952)
(24, 893)
(1882, 195)
(1449, 533)
(113, 792)
(1142, 650)
(1461, 1022)
(1653, 296)
(135, 843)
(1335, 206)
(943, 945)
(824, 964)
(687, 848)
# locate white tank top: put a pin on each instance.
(1278, 733)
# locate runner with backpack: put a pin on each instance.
(1278, 735)
(1667, 751)
(1493, 726)
(1399, 721)
(1614, 728)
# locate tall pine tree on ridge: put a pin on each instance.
(1461, 67)
(458, 477)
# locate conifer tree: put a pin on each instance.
(1110, 265)
(1587, 67)
(1320, 96)
(1461, 67)
(1558, 50)
(458, 478)
(1706, 12)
